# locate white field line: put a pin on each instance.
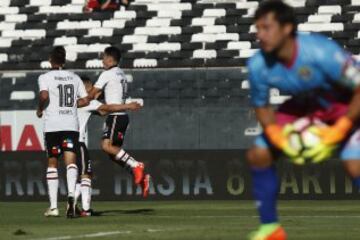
(255, 216)
(101, 234)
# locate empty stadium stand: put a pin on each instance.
(155, 33)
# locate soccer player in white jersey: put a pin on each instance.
(83, 159)
(61, 93)
(113, 83)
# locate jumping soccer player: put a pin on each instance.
(83, 159)
(61, 93)
(114, 84)
(323, 81)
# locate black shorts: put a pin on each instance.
(83, 160)
(115, 128)
(59, 142)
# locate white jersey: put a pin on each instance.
(84, 116)
(64, 88)
(114, 84)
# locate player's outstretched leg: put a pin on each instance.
(52, 179)
(265, 192)
(135, 168)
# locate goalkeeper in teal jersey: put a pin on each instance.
(323, 81)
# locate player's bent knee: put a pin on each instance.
(259, 157)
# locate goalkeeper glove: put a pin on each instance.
(279, 139)
(330, 137)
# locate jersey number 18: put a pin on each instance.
(66, 95)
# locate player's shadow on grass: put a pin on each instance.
(142, 211)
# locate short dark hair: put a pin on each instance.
(85, 79)
(283, 12)
(114, 52)
(58, 55)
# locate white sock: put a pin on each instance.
(86, 193)
(77, 192)
(53, 186)
(126, 159)
(71, 177)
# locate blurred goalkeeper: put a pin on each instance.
(323, 81)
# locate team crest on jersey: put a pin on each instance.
(68, 143)
(305, 73)
(55, 150)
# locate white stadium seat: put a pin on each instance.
(169, 6)
(5, 3)
(203, 37)
(5, 42)
(163, 47)
(200, 53)
(61, 9)
(79, 48)
(97, 47)
(125, 14)
(71, 56)
(245, 84)
(320, 18)
(12, 33)
(9, 10)
(63, 41)
(227, 36)
(3, 57)
(94, 63)
(246, 5)
(355, 2)
(234, 45)
(22, 95)
(330, 9)
(214, 12)
(174, 14)
(158, 22)
(143, 63)
(214, 29)
(144, 47)
(45, 65)
(101, 32)
(246, 53)
(200, 21)
(16, 18)
(7, 26)
(34, 33)
(116, 23)
(321, 27)
(134, 39)
(40, 2)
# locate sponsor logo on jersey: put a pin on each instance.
(305, 73)
(55, 150)
(68, 143)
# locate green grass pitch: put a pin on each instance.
(330, 220)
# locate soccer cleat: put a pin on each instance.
(87, 213)
(145, 184)
(70, 209)
(51, 212)
(269, 232)
(138, 173)
(77, 210)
